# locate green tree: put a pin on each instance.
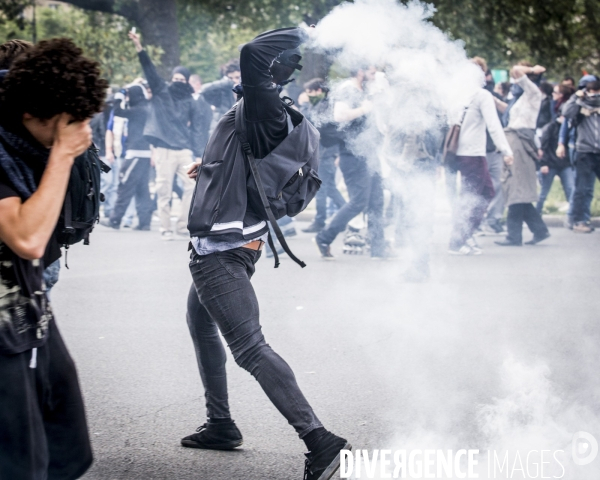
(101, 36)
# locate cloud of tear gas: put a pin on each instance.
(428, 77)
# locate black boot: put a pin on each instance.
(324, 460)
(215, 436)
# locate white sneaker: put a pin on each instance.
(167, 235)
(465, 250)
(471, 242)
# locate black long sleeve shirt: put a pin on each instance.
(174, 121)
(265, 116)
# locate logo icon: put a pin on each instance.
(584, 448)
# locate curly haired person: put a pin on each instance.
(47, 98)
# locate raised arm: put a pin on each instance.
(155, 82)
(260, 94)
(26, 226)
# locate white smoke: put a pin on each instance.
(429, 74)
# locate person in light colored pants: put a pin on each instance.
(168, 164)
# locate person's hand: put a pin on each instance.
(508, 160)
(192, 168)
(560, 151)
(579, 93)
(71, 139)
(303, 98)
(135, 38)
(544, 170)
(538, 69)
(110, 157)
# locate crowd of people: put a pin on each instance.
(157, 139)
(515, 138)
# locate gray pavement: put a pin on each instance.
(495, 349)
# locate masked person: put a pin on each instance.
(583, 109)
(135, 170)
(227, 238)
(520, 180)
(318, 110)
(174, 128)
(47, 99)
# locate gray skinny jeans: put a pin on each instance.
(223, 299)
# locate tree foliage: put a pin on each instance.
(563, 35)
(101, 36)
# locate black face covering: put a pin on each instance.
(180, 90)
(592, 102)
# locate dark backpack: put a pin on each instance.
(280, 184)
(81, 209)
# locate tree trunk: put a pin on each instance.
(156, 19)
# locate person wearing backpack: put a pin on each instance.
(47, 99)
(477, 189)
(228, 229)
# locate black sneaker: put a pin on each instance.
(325, 460)
(324, 249)
(215, 436)
(313, 228)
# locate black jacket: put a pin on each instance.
(205, 115)
(549, 142)
(220, 205)
(219, 95)
(174, 118)
(137, 117)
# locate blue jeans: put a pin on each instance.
(495, 211)
(51, 276)
(328, 188)
(223, 299)
(567, 179)
(587, 168)
(365, 190)
(109, 182)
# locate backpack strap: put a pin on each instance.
(68, 214)
(240, 130)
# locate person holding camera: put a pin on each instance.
(583, 109)
(47, 98)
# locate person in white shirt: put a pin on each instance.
(520, 179)
(477, 189)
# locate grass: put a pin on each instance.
(556, 202)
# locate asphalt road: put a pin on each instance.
(495, 350)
